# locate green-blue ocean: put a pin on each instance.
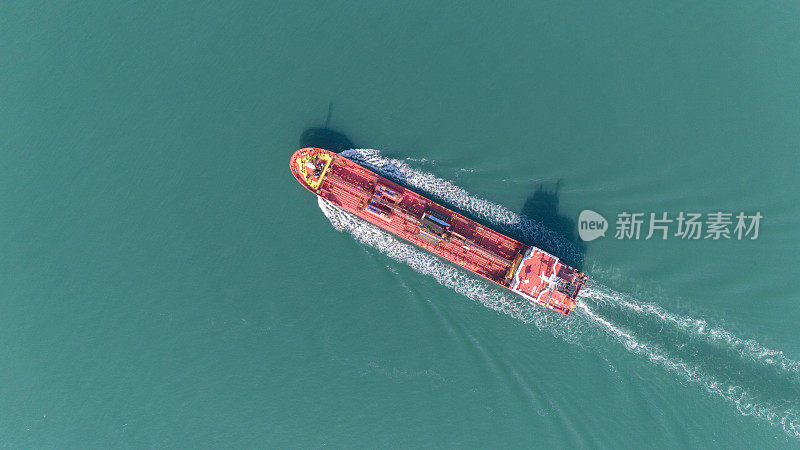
(166, 283)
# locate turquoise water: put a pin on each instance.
(165, 282)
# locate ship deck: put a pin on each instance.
(473, 246)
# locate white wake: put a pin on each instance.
(586, 319)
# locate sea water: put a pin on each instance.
(165, 282)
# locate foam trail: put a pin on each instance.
(747, 348)
(445, 190)
(784, 415)
(781, 413)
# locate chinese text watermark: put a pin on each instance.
(685, 225)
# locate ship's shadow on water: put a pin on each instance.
(540, 208)
(324, 137)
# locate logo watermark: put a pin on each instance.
(692, 225)
(591, 225)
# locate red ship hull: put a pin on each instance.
(536, 275)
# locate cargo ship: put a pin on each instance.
(528, 271)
